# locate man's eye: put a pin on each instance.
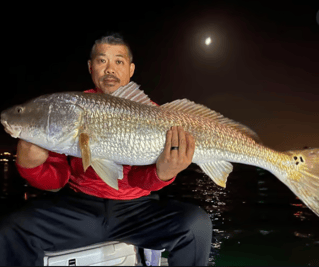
(119, 62)
(102, 60)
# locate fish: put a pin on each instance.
(127, 128)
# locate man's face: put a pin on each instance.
(110, 67)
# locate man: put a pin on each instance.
(87, 210)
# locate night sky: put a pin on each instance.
(261, 69)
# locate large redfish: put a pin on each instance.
(126, 128)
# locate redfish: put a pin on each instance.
(127, 128)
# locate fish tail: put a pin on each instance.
(303, 179)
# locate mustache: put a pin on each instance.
(110, 76)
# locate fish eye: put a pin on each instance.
(19, 110)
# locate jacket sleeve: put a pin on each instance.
(54, 173)
(145, 177)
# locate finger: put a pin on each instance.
(181, 141)
(168, 143)
(190, 140)
(174, 142)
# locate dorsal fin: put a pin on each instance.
(190, 107)
(132, 92)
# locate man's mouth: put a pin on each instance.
(110, 79)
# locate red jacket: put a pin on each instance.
(56, 172)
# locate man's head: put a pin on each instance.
(111, 63)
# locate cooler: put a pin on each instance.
(102, 254)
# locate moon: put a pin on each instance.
(208, 41)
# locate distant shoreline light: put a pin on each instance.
(7, 156)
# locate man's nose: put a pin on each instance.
(109, 68)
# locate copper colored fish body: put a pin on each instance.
(126, 128)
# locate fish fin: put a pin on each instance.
(108, 171)
(84, 141)
(304, 179)
(218, 171)
(132, 92)
(190, 107)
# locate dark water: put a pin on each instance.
(257, 219)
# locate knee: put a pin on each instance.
(18, 247)
(5, 224)
(202, 222)
(7, 231)
(198, 221)
(12, 223)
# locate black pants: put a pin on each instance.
(67, 220)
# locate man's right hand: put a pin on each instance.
(30, 155)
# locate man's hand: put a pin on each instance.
(30, 155)
(173, 161)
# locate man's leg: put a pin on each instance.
(71, 220)
(57, 222)
(183, 229)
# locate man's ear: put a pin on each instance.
(132, 69)
(90, 66)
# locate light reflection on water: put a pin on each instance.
(257, 219)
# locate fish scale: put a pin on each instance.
(121, 132)
(114, 115)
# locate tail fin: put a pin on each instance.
(303, 180)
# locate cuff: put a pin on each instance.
(26, 172)
(158, 183)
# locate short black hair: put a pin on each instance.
(112, 39)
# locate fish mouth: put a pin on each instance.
(14, 131)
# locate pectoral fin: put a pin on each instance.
(85, 150)
(218, 171)
(108, 171)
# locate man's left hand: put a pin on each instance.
(177, 154)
